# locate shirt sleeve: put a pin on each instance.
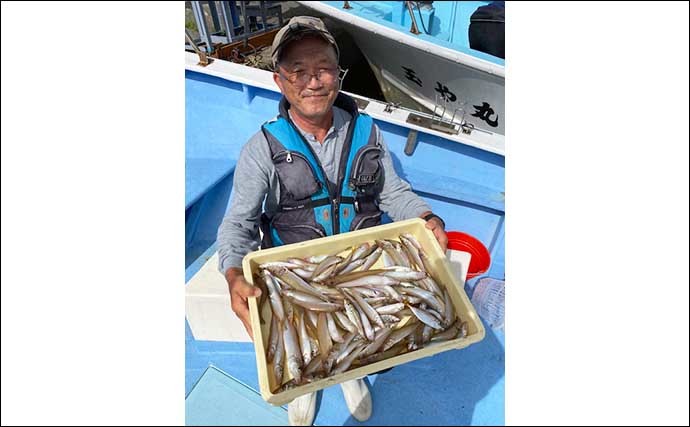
(397, 198)
(238, 234)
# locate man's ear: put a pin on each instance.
(278, 80)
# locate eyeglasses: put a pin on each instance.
(324, 75)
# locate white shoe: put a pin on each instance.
(358, 398)
(301, 410)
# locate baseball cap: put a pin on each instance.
(296, 28)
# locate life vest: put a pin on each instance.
(310, 206)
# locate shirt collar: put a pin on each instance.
(338, 125)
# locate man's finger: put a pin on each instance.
(245, 290)
(443, 240)
(239, 304)
(241, 309)
(248, 327)
(441, 237)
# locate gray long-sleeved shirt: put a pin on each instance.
(255, 183)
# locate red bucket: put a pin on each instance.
(480, 261)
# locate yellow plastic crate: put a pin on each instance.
(442, 272)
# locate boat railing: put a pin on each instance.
(440, 122)
(436, 120)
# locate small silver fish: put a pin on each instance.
(292, 350)
(426, 317)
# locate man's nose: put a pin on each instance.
(314, 82)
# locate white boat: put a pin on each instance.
(434, 70)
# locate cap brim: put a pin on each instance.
(300, 33)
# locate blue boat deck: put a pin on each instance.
(461, 387)
(461, 183)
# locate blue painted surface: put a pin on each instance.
(462, 184)
(459, 387)
(203, 217)
(202, 174)
(219, 119)
(219, 399)
(447, 22)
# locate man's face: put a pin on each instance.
(301, 63)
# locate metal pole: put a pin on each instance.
(214, 16)
(413, 29)
(229, 29)
(280, 16)
(232, 4)
(263, 14)
(201, 25)
(245, 36)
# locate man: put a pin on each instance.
(319, 168)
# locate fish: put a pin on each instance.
(373, 280)
(354, 317)
(345, 363)
(274, 296)
(391, 308)
(413, 250)
(333, 329)
(344, 263)
(399, 335)
(278, 357)
(372, 314)
(311, 302)
(292, 351)
(352, 276)
(405, 276)
(354, 265)
(306, 265)
(316, 259)
(325, 343)
(343, 321)
(326, 273)
(371, 259)
(366, 324)
(315, 365)
(273, 335)
(362, 251)
(427, 296)
(389, 319)
(304, 342)
(387, 259)
(426, 317)
(380, 337)
(298, 283)
(335, 312)
(327, 262)
(263, 298)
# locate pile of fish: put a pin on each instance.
(333, 313)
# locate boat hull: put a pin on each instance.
(429, 72)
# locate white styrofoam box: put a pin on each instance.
(459, 263)
(207, 306)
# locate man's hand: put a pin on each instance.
(240, 290)
(437, 227)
